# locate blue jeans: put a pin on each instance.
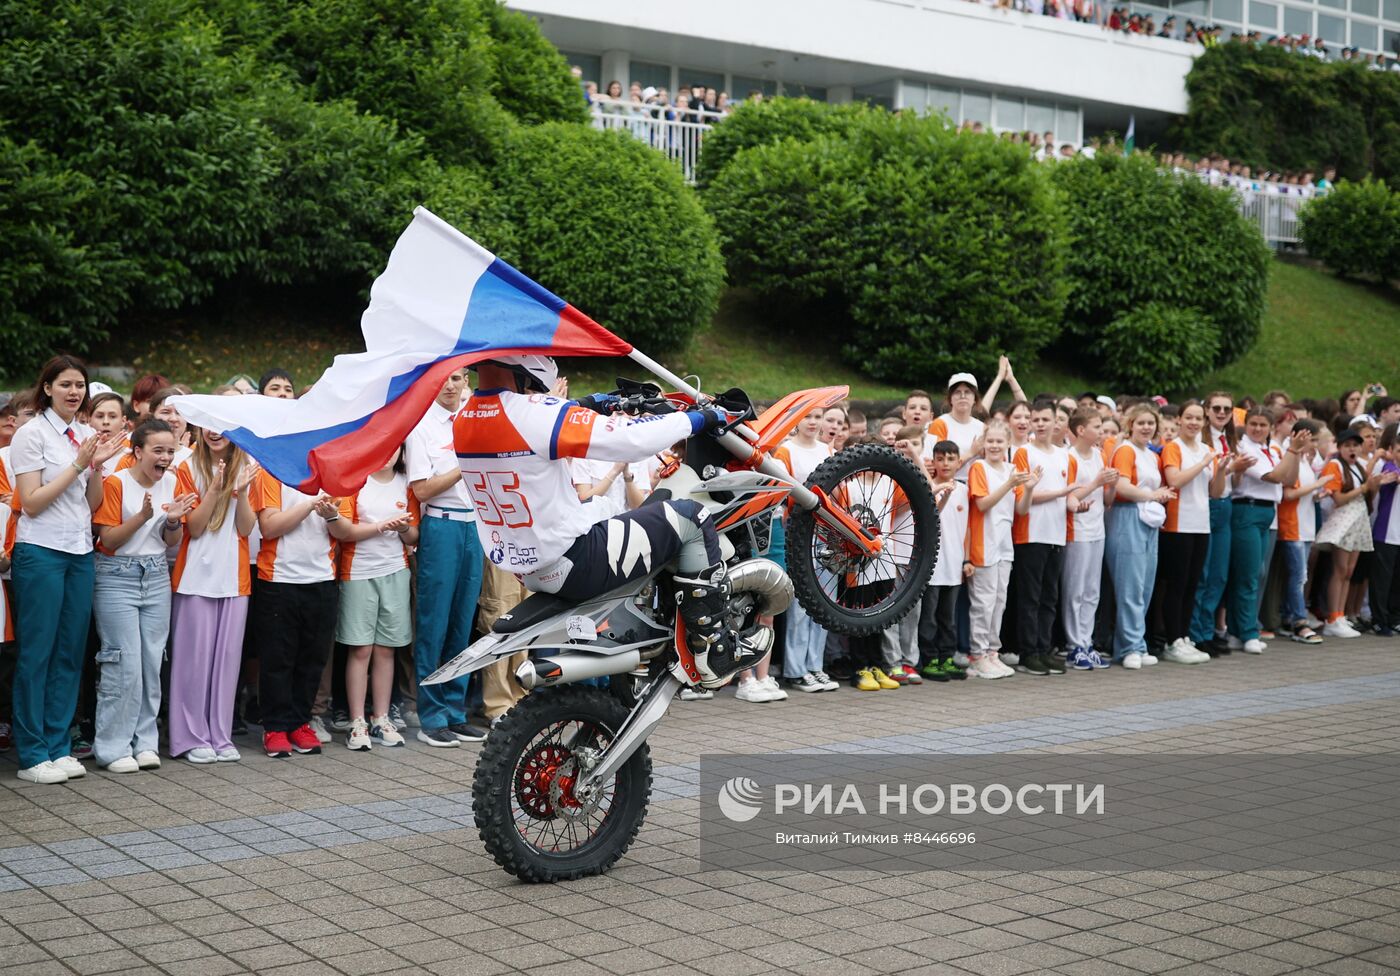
(806, 643)
(1249, 541)
(1295, 561)
(1211, 590)
(131, 604)
(1130, 552)
(53, 603)
(449, 582)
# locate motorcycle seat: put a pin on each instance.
(530, 611)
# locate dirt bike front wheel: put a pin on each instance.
(842, 588)
(530, 819)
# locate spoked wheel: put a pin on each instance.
(842, 587)
(532, 820)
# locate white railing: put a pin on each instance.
(659, 127)
(1276, 216)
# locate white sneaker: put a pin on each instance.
(696, 694)
(45, 774)
(1133, 661)
(1198, 656)
(1177, 654)
(1313, 622)
(809, 683)
(147, 759)
(1148, 659)
(961, 659)
(1007, 658)
(775, 693)
(126, 764)
(1255, 646)
(1340, 628)
(825, 681)
(358, 739)
(323, 735)
(228, 755)
(201, 756)
(752, 690)
(71, 766)
(386, 733)
(985, 667)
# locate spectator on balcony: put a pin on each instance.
(723, 103)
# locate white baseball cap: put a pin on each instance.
(1107, 401)
(97, 386)
(967, 378)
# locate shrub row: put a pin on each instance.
(922, 251)
(1355, 229)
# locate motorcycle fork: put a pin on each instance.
(645, 716)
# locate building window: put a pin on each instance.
(1039, 117)
(1363, 35)
(977, 107)
(1338, 4)
(1366, 8)
(947, 100)
(1392, 42)
(1263, 15)
(1231, 10)
(1011, 113)
(1392, 10)
(1297, 22)
(1067, 124)
(744, 85)
(1189, 9)
(689, 77)
(795, 89)
(913, 96)
(650, 75)
(1331, 29)
(591, 65)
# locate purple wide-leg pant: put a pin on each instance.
(206, 652)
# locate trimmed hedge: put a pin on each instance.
(936, 251)
(1158, 347)
(1138, 236)
(606, 222)
(1355, 229)
(768, 123)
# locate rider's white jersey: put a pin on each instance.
(510, 447)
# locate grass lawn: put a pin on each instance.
(1321, 335)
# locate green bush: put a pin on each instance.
(1138, 236)
(1355, 229)
(607, 223)
(767, 123)
(1157, 348)
(936, 251)
(55, 291)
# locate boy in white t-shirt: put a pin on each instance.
(806, 640)
(938, 625)
(1082, 569)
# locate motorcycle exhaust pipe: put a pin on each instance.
(564, 668)
(766, 580)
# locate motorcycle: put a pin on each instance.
(563, 782)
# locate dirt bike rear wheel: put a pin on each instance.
(832, 581)
(522, 793)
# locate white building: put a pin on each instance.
(1004, 68)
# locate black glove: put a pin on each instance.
(604, 403)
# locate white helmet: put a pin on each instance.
(539, 373)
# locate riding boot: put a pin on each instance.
(703, 602)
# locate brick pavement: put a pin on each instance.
(367, 864)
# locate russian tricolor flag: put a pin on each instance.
(443, 302)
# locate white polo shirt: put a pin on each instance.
(429, 452)
(42, 445)
(1251, 483)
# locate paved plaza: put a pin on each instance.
(359, 864)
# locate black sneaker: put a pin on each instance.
(439, 738)
(1053, 664)
(467, 733)
(1032, 664)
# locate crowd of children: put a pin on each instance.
(155, 574)
(1081, 532)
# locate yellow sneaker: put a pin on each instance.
(884, 680)
(865, 681)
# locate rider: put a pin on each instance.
(512, 437)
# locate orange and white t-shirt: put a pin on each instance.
(989, 532)
(1189, 511)
(383, 554)
(122, 498)
(1297, 517)
(7, 540)
(306, 554)
(1045, 522)
(216, 564)
(1086, 526)
(949, 428)
(1139, 465)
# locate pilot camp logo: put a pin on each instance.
(740, 799)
